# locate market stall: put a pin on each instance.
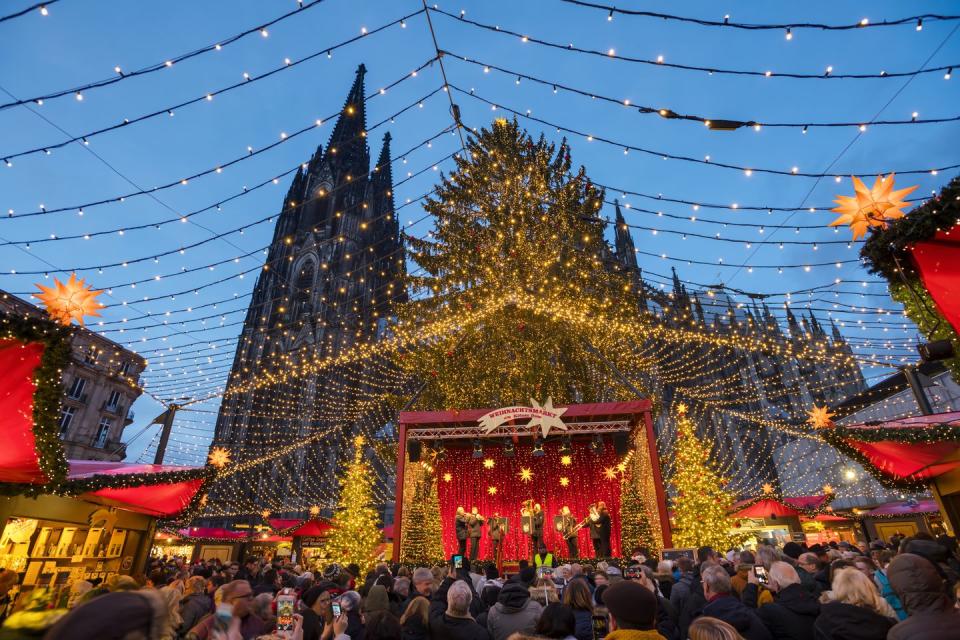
(770, 516)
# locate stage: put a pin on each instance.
(482, 458)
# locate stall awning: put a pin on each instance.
(151, 489)
(781, 507)
(904, 508)
(938, 261)
(312, 528)
(907, 452)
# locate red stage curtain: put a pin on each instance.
(18, 456)
(938, 261)
(470, 481)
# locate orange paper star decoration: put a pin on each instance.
(69, 301)
(219, 457)
(871, 207)
(767, 488)
(820, 418)
(314, 511)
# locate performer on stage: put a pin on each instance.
(600, 530)
(460, 522)
(475, 527)
(568, 529)
(495, 530)
(536, 535)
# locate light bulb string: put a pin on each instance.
(34, 7)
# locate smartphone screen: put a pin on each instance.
(761, 574)
(223, 616)
(285, 612)
(599, 627)
(335, 608)
(458, 561)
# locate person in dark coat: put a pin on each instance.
(536, 534)
(462, 529)
(577, 596)
(450, 617)
(495, 531)
(475, 528)
(602, 525)
(695, 601)
(793, 612)
(194, 606)
(113, 616)
(856, 611)
(415, 620)
(723, 605)
(922, 591)
(515, 612)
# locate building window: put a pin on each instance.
(114, 401)
(66, 417)
(76, 389)
(102, 432)
(125, 368)
(90, 357)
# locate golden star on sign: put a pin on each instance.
(488, 463)
(219, 457)
(610, 473)
(566, 460)
(767, 488)
(447, 477)
(492, 491)
(820, 418)
(871, 207)
(526, 474)
(70, 301)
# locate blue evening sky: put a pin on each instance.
(190, 350)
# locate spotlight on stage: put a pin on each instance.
(597, 444)
(538, 451)
(477, 448)
(508, 449)
(566, 445)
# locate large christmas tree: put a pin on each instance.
(518, 267)
(356, 524)
(701, 504)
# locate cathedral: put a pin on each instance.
(333, 269)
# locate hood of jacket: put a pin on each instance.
(918, 583)
(844, 620)
(513, 598)
(731, 611)
(795, 598)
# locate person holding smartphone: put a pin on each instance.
(234, 614)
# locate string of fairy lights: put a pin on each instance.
(362, 395)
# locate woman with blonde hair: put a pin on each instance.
(856, 610)
(544, 591)
(414, 620)
(707, 628)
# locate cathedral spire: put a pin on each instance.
(625, 249)
(352, 124)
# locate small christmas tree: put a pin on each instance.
(701, 505)
(421, 534)
(356, 532)
(638, 502)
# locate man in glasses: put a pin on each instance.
(239, 596)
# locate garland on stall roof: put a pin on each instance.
(46, 399)
(777, 497)
(887, 253)
(838, 437)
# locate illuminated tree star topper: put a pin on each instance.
(69, 301)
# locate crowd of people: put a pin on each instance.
(903, 590)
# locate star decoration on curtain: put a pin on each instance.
(447, 477)
(70, 301)
(621, 467)
(488, 463)
(871, 207)
(492, 491)
(564, 481)
(820, 418)
(566, 460)
(219, 457)
(610, 473)
(526, 475)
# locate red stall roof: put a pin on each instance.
(766, 506)
(905, 508)
(156, 490)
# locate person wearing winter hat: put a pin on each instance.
(921, 589)
(514, 612)
(631, 612)
(377, 600)
(115, 615)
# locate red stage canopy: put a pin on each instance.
(908, 451)
(938, 261)
(18, 455)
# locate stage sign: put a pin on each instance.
(545, 417)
